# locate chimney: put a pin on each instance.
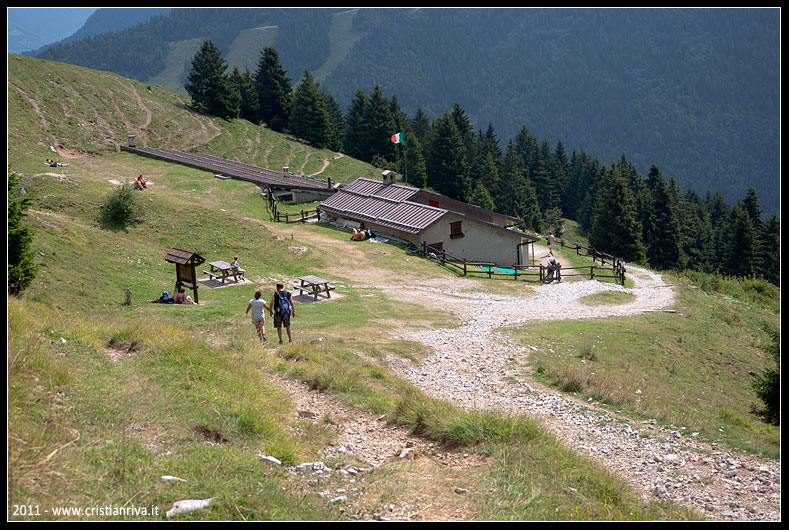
(285, 170)
(389, 177)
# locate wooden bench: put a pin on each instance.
(310, 290)
(314, 286)
(212, 274)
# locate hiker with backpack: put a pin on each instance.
(553, 269)
(283, 309)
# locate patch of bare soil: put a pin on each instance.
(118, 351)
(422, 480)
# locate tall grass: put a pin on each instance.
(668, 366)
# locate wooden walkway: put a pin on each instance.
(277, 180)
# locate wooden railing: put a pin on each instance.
(279, 217)
(544, 272)
(484, 267)
(595, 255)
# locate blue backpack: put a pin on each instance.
(283, 307)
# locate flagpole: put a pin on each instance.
(405, 161)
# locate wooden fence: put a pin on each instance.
(596, 255)
(279, 217)
(544, 272)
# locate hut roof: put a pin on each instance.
(183, 257)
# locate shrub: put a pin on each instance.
(121, 207)
(768, 386)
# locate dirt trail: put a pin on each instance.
(472, 367)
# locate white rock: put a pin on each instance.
(188, 505)
(269, 459)
(169, 478)
(311, 466)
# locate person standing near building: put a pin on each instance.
(257, 305)
(282, 309)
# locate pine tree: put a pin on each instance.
(208, 86)
(770, 250)
(552, 220)
(515, 194)
(544, 179)
(488, 174)
(697, 234)
(417, 171)
(561, 168)
(466, 130)
(751, 205)
(742, 244)
(615, 228)
(275, 92)
(768, 385)
(380, 127)
(337, 122)
(528, 148)
(528, 206)
(22, 268)
(356, 128)
(446, 162)
(250, 105)
(489, 143)
(422, 127)
(509, 179)
(719, 213)
(309, 119)
(583, 176)
(481, 197)
(662, 234)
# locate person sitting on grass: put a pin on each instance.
(180, 297)
(164, 299)
(141, 183)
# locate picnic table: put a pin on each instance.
(314, 286)
(222, 270)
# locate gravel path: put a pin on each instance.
(471, 367)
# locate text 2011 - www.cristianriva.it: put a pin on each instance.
(105, 510)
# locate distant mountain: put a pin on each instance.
(695, 91)
(22, 39)
(103, 21)
(32, 28)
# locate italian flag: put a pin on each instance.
(397, 138)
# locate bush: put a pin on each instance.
(768, 386)
(121, 207)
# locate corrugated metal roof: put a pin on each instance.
(386, 205)
(390, 205)
(374, 188)
(232, 168)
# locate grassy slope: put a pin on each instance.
(85, 429)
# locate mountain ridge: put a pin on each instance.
(693, 91)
